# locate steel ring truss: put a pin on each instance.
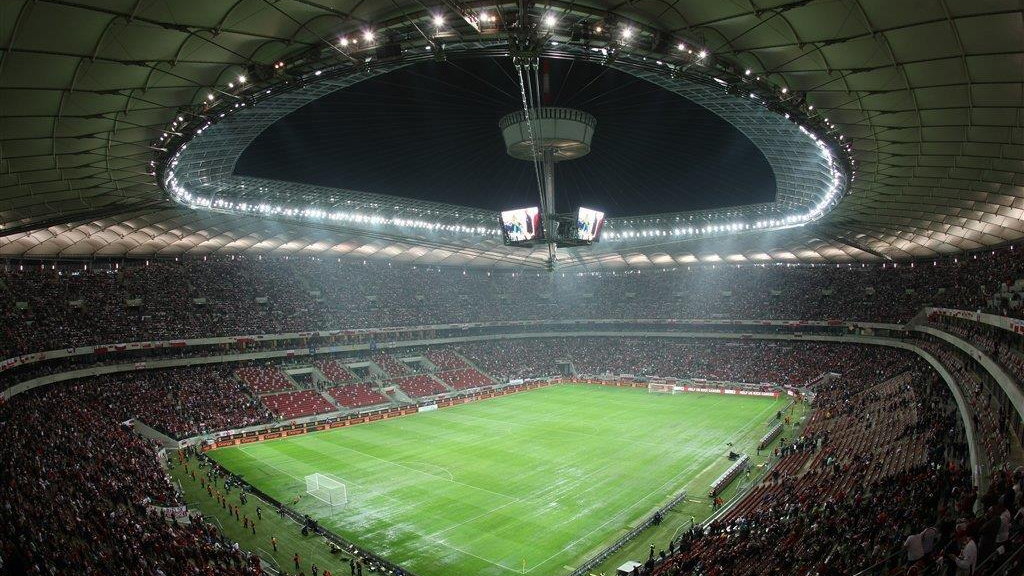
(197, 169)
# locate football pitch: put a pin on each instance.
(529, 483)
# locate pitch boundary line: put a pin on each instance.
(687, 470)
(512, 500)
(554, 487)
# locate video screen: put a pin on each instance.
(521, 225)
(588, 225)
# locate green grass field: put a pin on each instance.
(533, 482)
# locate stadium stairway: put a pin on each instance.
(397, 396)
(441, 382)
(295, 383)
(331, 399)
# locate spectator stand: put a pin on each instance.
(420, 385)
(335, 371)
(983, 351)
(265, 379)
(358, 395)
(291, 405)
(464, 379)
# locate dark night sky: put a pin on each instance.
(430, 131)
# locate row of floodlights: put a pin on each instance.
(313, 213)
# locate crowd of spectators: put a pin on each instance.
(990, 417)
(1000, 345)
(882, 457)
(48, 307)
(81, 494)
(445, 359)
(265, 379)
(738, 360)
(181, 402)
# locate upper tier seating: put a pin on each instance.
(54, 309)
(182, 402)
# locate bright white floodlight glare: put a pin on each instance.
(368, 35)
(550, 21)
(438, 20)
(343, 41)
(703, 54)
(681, 47)
(627, 33)
(241, 79)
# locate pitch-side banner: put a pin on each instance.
(739, 392)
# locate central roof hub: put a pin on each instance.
(564, 131)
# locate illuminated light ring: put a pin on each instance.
(198, 173)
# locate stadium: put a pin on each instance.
(447, 288)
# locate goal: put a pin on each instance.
(326, 489)
(661, 388)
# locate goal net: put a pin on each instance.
(326, 489)
(660, 388)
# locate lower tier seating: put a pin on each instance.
(419, 385)
(297, 404)
(465, 378)
(357, 395)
